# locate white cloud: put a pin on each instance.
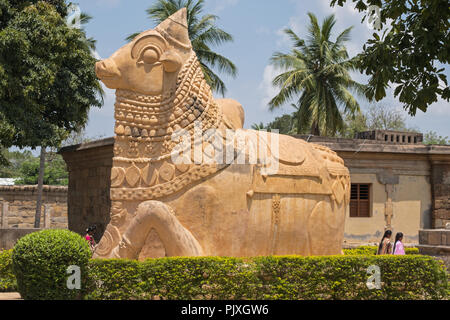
(266, 88)
(283, 40)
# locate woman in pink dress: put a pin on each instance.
(398, 245)
(90, 237)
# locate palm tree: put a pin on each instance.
(84, 19)
(317, 72)
(78, 20)
(203, 33)
(259, 126)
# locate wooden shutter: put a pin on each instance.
(360, 200)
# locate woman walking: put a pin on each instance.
(398, 245)
(385, 246)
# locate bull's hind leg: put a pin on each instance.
(177, 240)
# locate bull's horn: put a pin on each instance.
(175, 28)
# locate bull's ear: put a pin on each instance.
(175, 28)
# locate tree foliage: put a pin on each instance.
(203, 32)
(15, 160)
(377, 117)
(55, 172)
(410, 53)
(385, 117)
(285, 124)
(22, 164)
(316, 74)
(431, 137)
(47, 75)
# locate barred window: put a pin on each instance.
(360, 200)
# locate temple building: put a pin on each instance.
(397, 183)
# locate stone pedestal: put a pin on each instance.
(435, 242)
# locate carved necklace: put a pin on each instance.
(142, 168)
(145, 118)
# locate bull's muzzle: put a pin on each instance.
(107, 69)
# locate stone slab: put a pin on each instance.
(434, 237)
(434, 250)
(10, 296)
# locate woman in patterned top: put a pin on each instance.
(385, 246)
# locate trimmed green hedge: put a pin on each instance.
(41, 260)
(281, 277)
(7, 279)
(372, 250)
(285, 277)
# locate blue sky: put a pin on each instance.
(256, 26)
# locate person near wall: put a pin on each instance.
(90, 237)
(385, 246)
(398, 245)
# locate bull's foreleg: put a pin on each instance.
(177, 240)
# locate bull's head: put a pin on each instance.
(150, 63)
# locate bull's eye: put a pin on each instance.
(149, 56)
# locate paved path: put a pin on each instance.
(10, 296)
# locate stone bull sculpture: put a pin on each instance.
(161, 207)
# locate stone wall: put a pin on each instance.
(18, 207)
(9, 237)
(440, 175)
(89, 166)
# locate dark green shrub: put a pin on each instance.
(40, 262)
(372, 250)
(7, 279)
(280, 277)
